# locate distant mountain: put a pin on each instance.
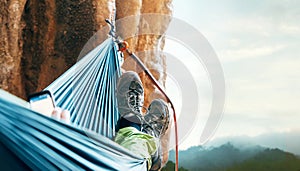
(286, 141)
(232, 158)
(269, 159)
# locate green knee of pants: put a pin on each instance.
(138, 142)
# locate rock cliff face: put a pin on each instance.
(11, 46)
(40, 39)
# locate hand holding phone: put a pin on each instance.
(42, 102)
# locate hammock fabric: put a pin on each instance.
(29, 140)
(87, 90)
(32, 141)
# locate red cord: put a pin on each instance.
(176, 136)
(167, 97)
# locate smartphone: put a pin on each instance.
(42, 102)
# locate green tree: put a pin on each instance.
(170, 166)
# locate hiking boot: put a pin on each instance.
(130, 93)
(157, 120)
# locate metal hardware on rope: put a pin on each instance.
(123, 45)
(112, 31)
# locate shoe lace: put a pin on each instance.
(135, 96)
(134, 100)
(155, 126)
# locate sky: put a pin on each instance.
(258, 45)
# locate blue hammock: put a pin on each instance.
(87, 90)
(29, 140)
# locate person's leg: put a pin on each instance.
(156, 123)
(130, 97)
(130, 137)
(130, 120)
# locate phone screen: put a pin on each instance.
(42, 103)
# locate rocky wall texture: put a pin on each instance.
(143, 24)
(40, 39)
(54, 35)
(11, 46)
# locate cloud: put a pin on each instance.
(250, 52)
(258, 45)
(291, 29)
